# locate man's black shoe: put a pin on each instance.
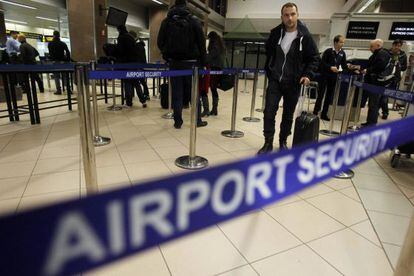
(267, 147)
(202, 124)
(384, 116)
(58, 92)
(325, 117)
(177, 125)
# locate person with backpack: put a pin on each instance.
(59, 53)
(28, 55)
(182, 44)
(292, 59)
(376, 69)
(333, 61)
(142, 58)
(399, 62)
(126, 51)
(215, 60)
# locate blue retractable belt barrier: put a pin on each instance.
(118, 66)
(78, 235)
(37, 67)
(96, 75)
(406, 96)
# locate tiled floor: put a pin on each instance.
(339, 227)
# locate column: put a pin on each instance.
(87, 29)
(156, 16)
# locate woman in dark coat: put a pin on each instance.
(215, 60)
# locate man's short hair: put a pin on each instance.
(398, 41)
(56, 34)
(180, 2)
(288, 5)
(378, 41)
(337, 38)
(14, 32)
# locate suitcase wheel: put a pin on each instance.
(395, 160)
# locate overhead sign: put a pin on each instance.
(362, 30)
(28, 35)
(402, 30)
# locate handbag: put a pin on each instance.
(226, 81)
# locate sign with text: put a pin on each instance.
(402, 30)
(362, 30)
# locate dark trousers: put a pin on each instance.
(373, 108)
(275, 91)
(181, 89)
(384, 105)
(327, 83)
(130, 85)
(143, 82)
(39, 81)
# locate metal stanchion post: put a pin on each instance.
(245, 84)
(330, 131)
(251, 118)
(48, 81)
(233, 133)
(88, 151)
(169, 114)
(264, 95)
(114, 107)
(345, 122)
(394, 103)
(98, 140)
(405, 265)
(192, 161)
(356, 126)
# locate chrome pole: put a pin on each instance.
(170, 113)
(192, 161)
(233, 133)
(98, 140)
(330, 131)
(264, 95)
(114, 107)
(88, 151)
(348, 174)
(252, 119)
(48, 81)
(357, 115)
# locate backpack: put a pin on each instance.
(180, 37)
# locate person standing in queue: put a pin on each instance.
(183, 45)
(333, 61)
(28, 55)
(399, 60)
(292, 58)
(126, 51)
(142, 58)
(215, 59)
(59, 53)
(377, 63)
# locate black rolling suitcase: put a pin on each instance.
(306, 124)
(164, 95)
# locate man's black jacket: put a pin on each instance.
(331, 58)
(58, 50)
(28, 53)
(302, 59)
(377, 63)
(198, 52)
(126, 49)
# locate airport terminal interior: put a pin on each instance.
(352, 225)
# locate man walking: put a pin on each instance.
(333, 61)
(377, 64)
(182, 43)
(292, 59)
(59, 53)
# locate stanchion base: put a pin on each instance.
(100, 141)
(327, 132)
(259, 110)
(168, 115)
(345, 175)
(114, 108)
(195, 163)
(251, 119)
(232, 134)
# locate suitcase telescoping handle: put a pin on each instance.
(304, 89)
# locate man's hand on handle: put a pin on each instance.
(305, 81)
